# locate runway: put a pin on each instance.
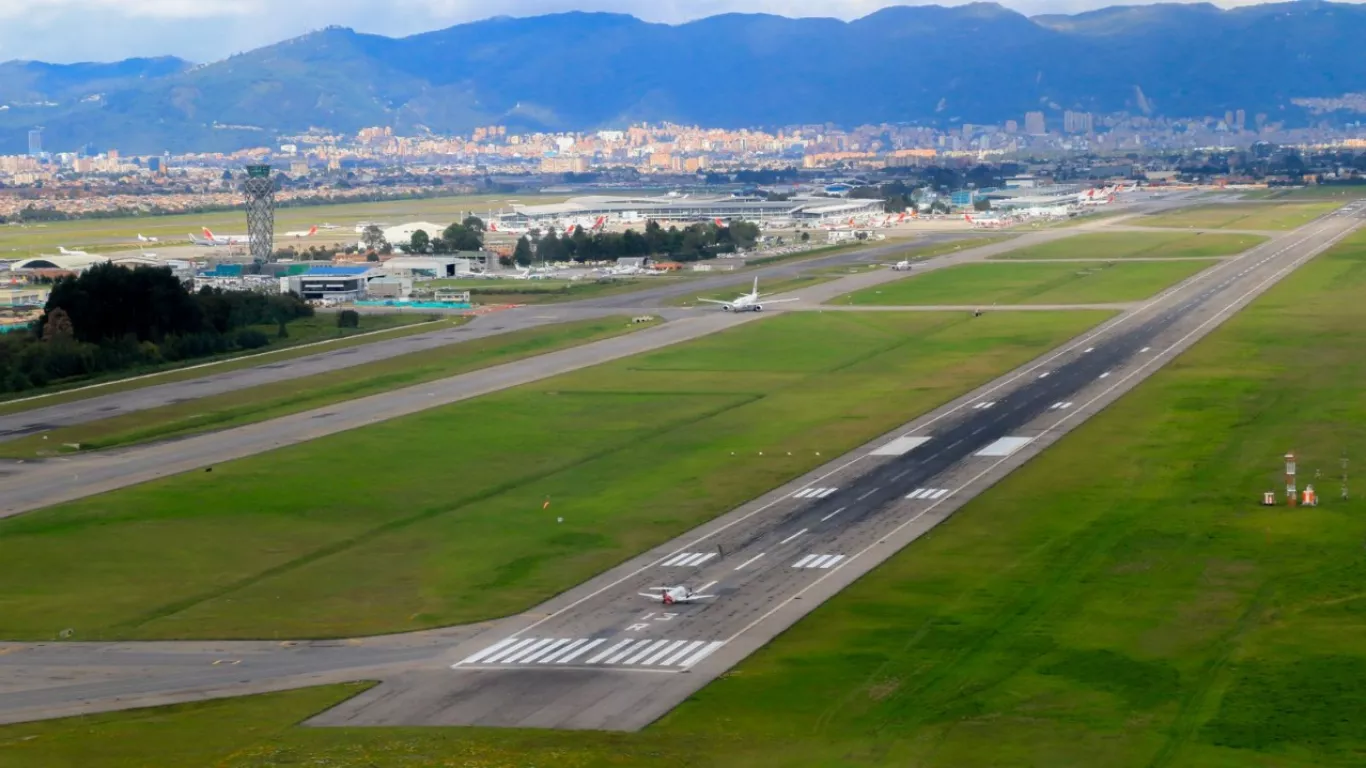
(600, 656)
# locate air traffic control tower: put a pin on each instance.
(259, 189)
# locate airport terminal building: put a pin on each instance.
(686, 208)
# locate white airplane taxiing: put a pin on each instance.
(301, 234)
(144, 239)
(672, 595)
(749, 302)
(902, 266)
(527, 274)
(65, 252)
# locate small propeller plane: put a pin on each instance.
(672, 595)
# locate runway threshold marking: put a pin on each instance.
(564, 651)
(932, 494)
(813, 493)
(821, 562)
(688, 559)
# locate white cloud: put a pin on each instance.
(206, 30)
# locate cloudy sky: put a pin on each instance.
(207, 30)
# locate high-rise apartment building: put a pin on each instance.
(1077, 122)
(35, 142)
(1034, 124)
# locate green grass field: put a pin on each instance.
(437, 518)
(256, 404)
(1258, 216)
(104, 234)
(1121, 601)
(1004, 283)
(307, 337)
(552, 291)
(1325, 192)
(1129, 245)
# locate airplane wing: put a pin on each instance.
(776, 301)
(712, 301)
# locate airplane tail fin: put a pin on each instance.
(756, 286)
(207, 233)
(313, 231)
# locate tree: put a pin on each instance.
(475, 224)
(459, 237)
(806, 237)
(420, 243)
(58, 327)
(522, 253)
(372, 256)
(373, 237)
(348, 318)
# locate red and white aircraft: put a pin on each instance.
(211, 239)
(309, 233)
(672, 595)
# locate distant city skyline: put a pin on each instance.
(65, 31)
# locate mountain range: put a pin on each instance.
(978, 63)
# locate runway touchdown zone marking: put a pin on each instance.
(813, 493)
(688, 559)
(592, 652)
(1004, 447)
(1060, 406)
(930, 494)
(820, 562)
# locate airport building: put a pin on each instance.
(687, 208)
(331, 284)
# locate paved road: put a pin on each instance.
(598, 656)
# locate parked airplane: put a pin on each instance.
(671, 595)
(142, 239)
(984, 222)
(527, 274)
(309, 233)
(65, 252)
(212, 239)
(749, 302)
(496, 228)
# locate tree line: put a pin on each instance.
(695, 242)
(111, 318)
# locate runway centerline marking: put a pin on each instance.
(750, 561)
(793, 536)
(866, 495)
(827, 517)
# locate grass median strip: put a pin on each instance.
(256, 404)
(1128, 245)
(1033, 283)
(1263, 216)
(439, 518)
(308, 337)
